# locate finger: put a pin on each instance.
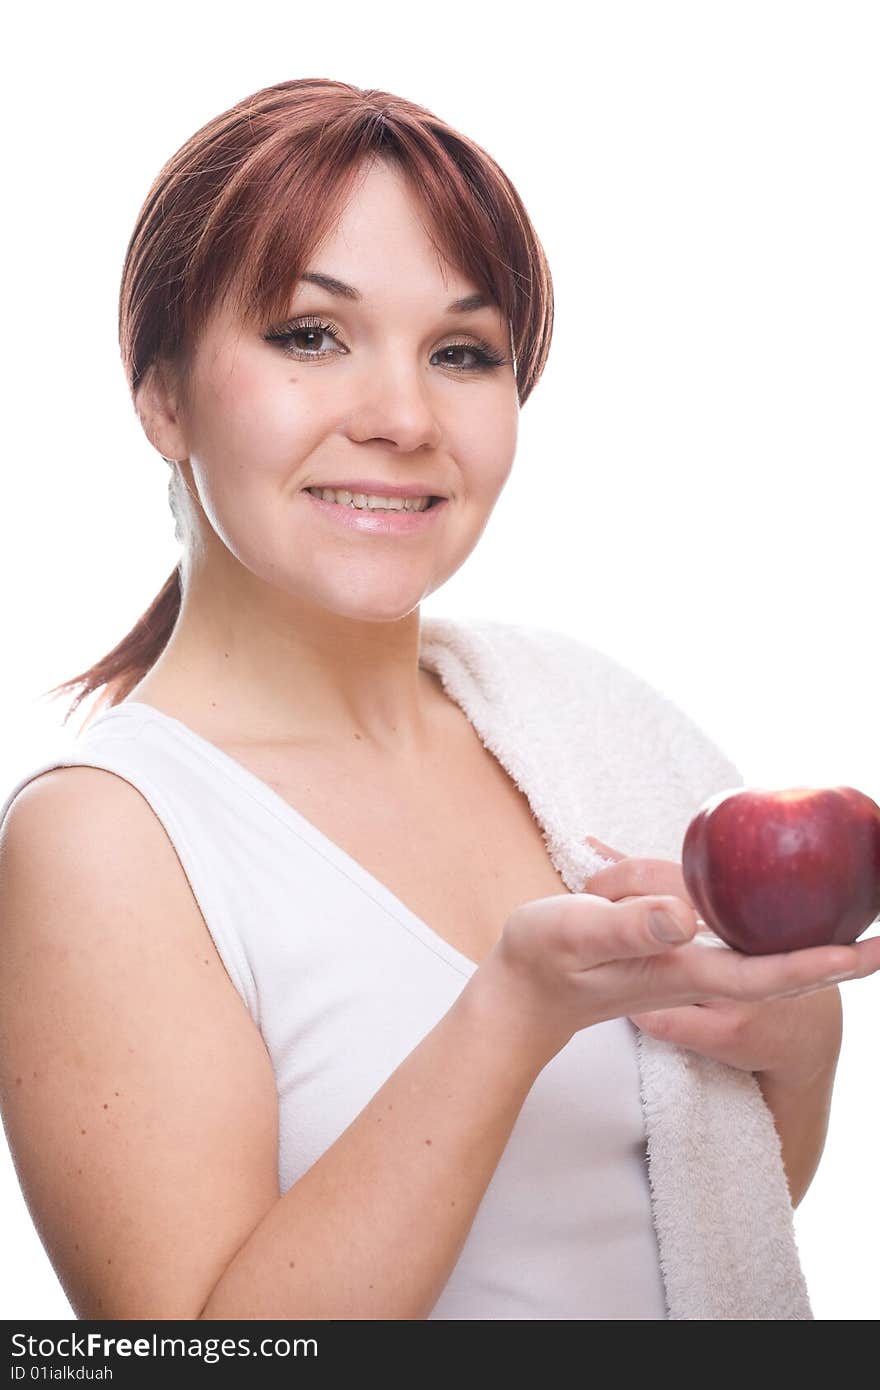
(689, 1025)
(735, 975)
(614, 856)
(620, 931)
(631, 877)
(605, 850)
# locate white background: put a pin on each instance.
(696, 484)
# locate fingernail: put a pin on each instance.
(666, 927)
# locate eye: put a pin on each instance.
(485, 356)
(313, 329)
(309, 328)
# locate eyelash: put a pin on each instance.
(486, 356)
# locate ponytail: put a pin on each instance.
(127, 664)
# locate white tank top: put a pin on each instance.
(343, 981)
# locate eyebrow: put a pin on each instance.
(467, 305)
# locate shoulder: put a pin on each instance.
(75, 800)
(88, 832)
(578, 683)
(555, 657)
(516, 647)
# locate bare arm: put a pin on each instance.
(141, 1107)
(801, 1109)
(375, 1227)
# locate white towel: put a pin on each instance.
(599, 751)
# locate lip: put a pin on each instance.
(373, 487)
(378, 523)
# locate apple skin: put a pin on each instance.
(781, 870)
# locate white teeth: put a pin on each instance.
(371, 502)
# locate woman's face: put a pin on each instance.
(379, 396)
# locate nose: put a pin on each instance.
(394, 404)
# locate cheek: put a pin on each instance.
(258, 425)
(487, 452)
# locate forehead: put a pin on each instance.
(382, 243)
(379, 258)
(467, 303)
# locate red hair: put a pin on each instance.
(216, 227)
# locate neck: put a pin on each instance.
(305, 675)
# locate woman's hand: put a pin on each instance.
(572, 960)
(788, 1038)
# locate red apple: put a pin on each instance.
(780, 870)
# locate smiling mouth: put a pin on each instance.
(353, 506)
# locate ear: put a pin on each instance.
(158, 409)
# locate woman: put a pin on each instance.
(304, 1020)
